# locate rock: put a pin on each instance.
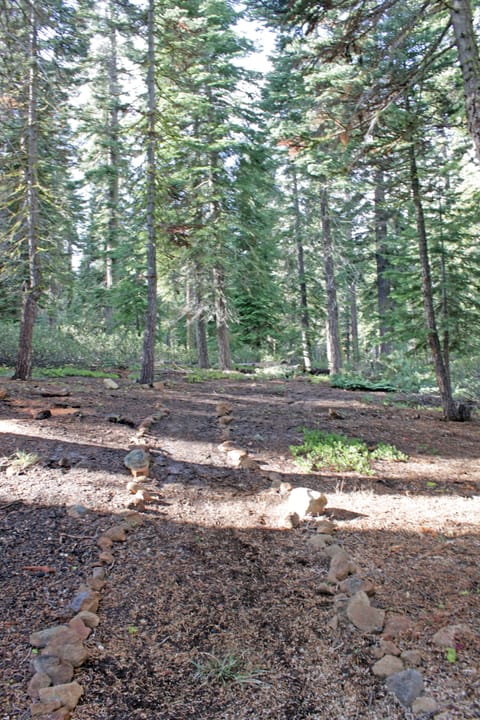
(66, 695)
(225, 420)
(333, 549)
(341, 566)
(44, 709)
(406, 685)
(132, 519)
(396, 626)
(79, 626)
(138, 462)
(327, 527)
(104, 542)
(388, 665)
(235, 456)
(62, 713)
(77, 511)
(95, 583)
(325, 589)
(116, 533)
(385, 647)
(412, 657)
(56, 634)
(354, 583)
(75, 653)
(99, 573)
(137, 502)
(110, 384)
(89, 619)
(290, 521)
(365, 617)
(447, 636)
(86, 599)
(317, 542)
(226, 446)
(248, 463)
(39, 680)
(58, 671)
(424, 705)
(305, 501)
(223, 408)
(106, 557)
(132, 487)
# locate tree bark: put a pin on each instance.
(355, 350)
(113, 160)
(223, 341)
(332, 327)
(450, 409)
(148, 359)
(302, 284)
(468, 55)
(32, 288)
(383, 283)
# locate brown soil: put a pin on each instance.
(211, 576)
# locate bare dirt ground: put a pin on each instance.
(212, 576)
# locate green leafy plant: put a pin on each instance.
(69, 371)
(228, 668)
(322, 449)
(451, 655)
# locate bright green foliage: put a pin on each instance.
(322, 449)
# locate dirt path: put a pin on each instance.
(213, 575)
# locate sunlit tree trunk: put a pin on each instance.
(31, 288)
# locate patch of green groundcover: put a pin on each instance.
(321, 449)
(70, 371)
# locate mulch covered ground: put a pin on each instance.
(212, 608)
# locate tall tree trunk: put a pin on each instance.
(148, 359)
(383, 283)
(333, 335)
(223, 341)
(467, 48)
(450, 409)
(31, 289)
(200, 324)
(113, 159)
(302, 283)
(352, 290)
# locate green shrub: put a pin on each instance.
(322, 449)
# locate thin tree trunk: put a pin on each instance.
(442, 373)
(148, 359)
(113, 160)
(223, 341)
(333, 336)
(383, 283)
(302, 284)
(468, 55)
(31, 290)
(352, 289)
(200, 325)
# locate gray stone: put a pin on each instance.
(388, 665)
(110, 384)
(67, 695)
(317, 542)
(407, 686)
(446, 637)
(74, 654)
(90, 619)
(424, 705)
(365, 617)
(85, 599)
(327, 527)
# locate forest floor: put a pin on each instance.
(213, 609)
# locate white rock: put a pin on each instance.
(305, 501)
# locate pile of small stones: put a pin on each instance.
(352, 601)
(59, 650)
